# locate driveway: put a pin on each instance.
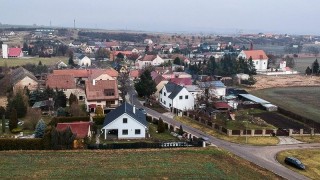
(263, 156)
(288, 140)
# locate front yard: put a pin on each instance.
(260, 141)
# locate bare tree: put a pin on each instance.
(124, 83)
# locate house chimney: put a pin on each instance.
(94, 82)
(134, 109)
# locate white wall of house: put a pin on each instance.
(80, 93)
(184, 100)
(85, 61)
(26, 82)
(104, 77)
(102, 103)
(218, 92)
(159, 87)
(155, 62)
(131, 126)
(184, 103)
(261, 64)
(4, 51)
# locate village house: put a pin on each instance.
(213, 88)
(125, 122)
(67, 84)
(259, 58)
(176, 98)
(148, 60)
(22, 78)
(83, 60)
(102, 93)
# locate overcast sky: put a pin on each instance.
(216, 16)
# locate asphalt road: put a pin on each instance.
(263, 156)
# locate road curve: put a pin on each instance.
(263, 156)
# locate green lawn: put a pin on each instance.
(35, 60)
(301, 64)
(300, 100)
(309, 157)
(183, 163)
(255, 140)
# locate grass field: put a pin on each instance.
(300, 100)
(308, 139)
(309, 157)
(191, 163)
(259, 141)
(301, 64)
(35, 60)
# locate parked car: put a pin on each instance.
(143, 111)
(294, 162)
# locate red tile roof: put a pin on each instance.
(158, 79)
(147, 58)
(134, 73)
(85, 73)
(256, 54)
(182, 81)
(112, 43)
(14, 52)
(100, 90)
(61, 81)
(126, 53)
(80, 128)
(221, 105)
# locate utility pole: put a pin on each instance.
(74, 23)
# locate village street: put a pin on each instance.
(263, 156)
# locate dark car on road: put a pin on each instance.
(143, 111)
(294, 162)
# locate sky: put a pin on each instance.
(207, 16)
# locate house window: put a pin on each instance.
(160, 99)
(137, 131)
(164, 102)
(180, 97)
(257, 62)
(164, 93)
(80, 98)
(125, 120)
(186, 97)
(124, 131)
(98, 101)
(169, 105)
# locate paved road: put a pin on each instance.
(263, 156)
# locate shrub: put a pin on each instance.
(98, 120)
(21, 144)
(16, 130)
(160, 127)
(180, 130)
(155, 121)
(149, 118)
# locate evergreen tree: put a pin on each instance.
(181, 130)
(290, 61)
(212, 65)
(70, 61)
(161, 127)
(146, 86)
(315, 67)
(308, 71)
(99, 111)
(60, 99)
(40, 129)
(13, 121)
(177, 61)
(61, 112)
(251, 68)
(73, 99)
(40, 63)
(19, 103)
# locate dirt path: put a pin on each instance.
(264, 82)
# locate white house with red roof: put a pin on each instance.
(259, 58)
(11, 52)
(148, 60)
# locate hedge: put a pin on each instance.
(54, 121)
(98, 120)
(21, 144)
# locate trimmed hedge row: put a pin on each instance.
(21, 144)
(98, 120)
(54, 121)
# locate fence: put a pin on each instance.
(141, 145)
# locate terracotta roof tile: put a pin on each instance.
(14, 52)
(102, 90)
(256, 54)
(61, 81)
(81, 129)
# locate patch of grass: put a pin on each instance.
(300, 100)
(255, 140)
(308, 139)
(309, 157)
(191, 163)
(165, 136)
(34, 60)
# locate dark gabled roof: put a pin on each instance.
(82, 56)
(128, 109)
(20, 73)
(173, 88)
